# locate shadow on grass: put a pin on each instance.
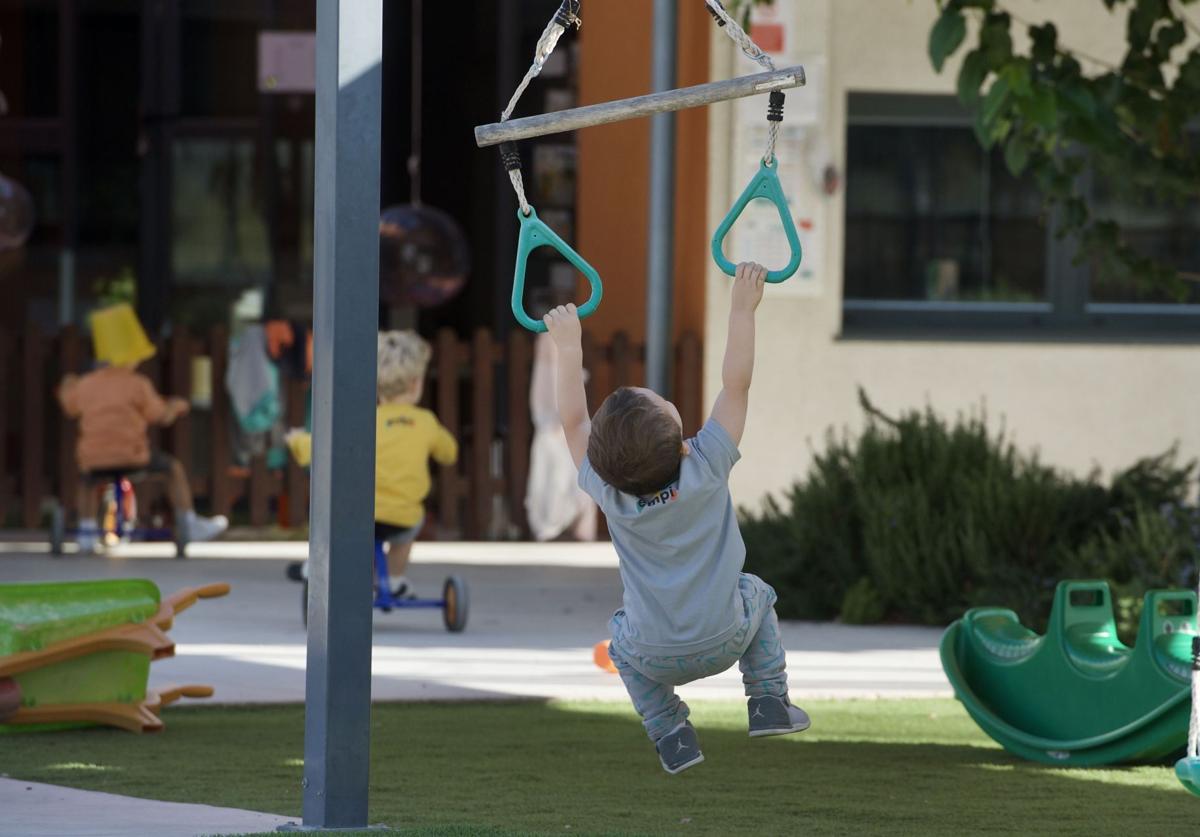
(894, 767)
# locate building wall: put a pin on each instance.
(614, 184)
(1080, 404)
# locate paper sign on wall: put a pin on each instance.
(287, 62)
(758, 234)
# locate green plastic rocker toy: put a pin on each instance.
(1077, 695)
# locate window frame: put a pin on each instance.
(1066, 314)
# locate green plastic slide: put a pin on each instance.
(1078, 695)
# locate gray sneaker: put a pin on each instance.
(679, 749)
(775, 716)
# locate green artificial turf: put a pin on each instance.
(916, 767)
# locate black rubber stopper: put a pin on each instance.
(775, 108)
(510, 157)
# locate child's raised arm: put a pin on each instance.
(563, 325)
(729, 411)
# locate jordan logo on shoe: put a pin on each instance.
(758, 713)
(680, 746)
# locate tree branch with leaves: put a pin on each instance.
(1067, 118)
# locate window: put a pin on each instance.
(940, 237)
(1166, 232)
(218, 230)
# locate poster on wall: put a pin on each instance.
(801, 152)
(287, 62)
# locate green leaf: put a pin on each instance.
(971, 76)
(994, 102)
(995, 39)
(1016, 73)
(1142, 18)
(1045, 42)
(1041, 108)
(1078, 99)
(1016, 155)
(1189, 72)
(991, 133)
(946, 36)
(1170, 37)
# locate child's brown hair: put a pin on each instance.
(634, 445)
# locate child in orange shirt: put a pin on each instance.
(115, 405)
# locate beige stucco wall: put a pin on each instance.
(1081, 405)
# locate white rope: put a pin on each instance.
(518, 184)
(752, 51)
(545, 46)
(772, 136)
(739, 36)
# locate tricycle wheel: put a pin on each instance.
(454, 611)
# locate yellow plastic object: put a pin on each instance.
(299, 443)
(118, 337)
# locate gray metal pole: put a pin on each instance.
(618, 110)
(345, 321)
(660, 261)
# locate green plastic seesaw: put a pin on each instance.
(764, 185)
(535, 234)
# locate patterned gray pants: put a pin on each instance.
(755, 647)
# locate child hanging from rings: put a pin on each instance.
(406, 437)
(689, 610)
(115, 405)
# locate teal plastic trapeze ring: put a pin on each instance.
(766, 185)
(535, 234)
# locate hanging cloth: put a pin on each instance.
(253, 382)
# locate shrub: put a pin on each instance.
(918, 519)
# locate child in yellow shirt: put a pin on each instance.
(406, 437)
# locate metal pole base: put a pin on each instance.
(296, 827)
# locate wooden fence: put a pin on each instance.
(479, 388)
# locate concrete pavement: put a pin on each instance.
(31, 809)
(536, 611)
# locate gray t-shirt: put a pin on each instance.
(680, 551)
